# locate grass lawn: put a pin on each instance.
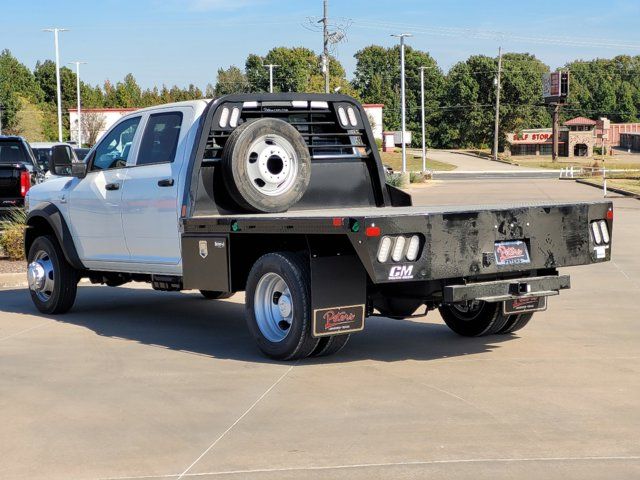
(629, 184)
(414, 164)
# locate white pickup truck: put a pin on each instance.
(284, 196)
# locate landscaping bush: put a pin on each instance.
(12, 234)
(379, 144)
(417, 177)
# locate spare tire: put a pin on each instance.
(267, 166)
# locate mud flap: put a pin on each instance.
(338, 295)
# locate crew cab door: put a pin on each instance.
(95, 202)
(150, 210)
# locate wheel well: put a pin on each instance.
(36, 227)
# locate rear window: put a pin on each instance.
(12, 152)
(160, 139)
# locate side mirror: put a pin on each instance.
(65, 163)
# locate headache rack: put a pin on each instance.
(317, 122)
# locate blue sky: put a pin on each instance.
(186, 41)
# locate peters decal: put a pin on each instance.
(334, 320)
(219, 243)
(524, 305)
(511, 253)
(204, 249)
(401, 272)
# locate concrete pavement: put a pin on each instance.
(140, 384)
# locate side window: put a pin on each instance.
(160, 139)
(113, 150)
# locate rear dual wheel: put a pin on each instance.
(477, 319)
(278, 309)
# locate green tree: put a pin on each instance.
(16, 82)
(230, 80)
(469, 98)
(377, 80)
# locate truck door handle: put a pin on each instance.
(167, 182)
(112, 186)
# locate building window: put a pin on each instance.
(545, 149)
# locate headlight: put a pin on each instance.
(398, 249)
(412, 249)
(597, 236)
(605, 231)
(384, 249)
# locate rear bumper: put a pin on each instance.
(501, 290)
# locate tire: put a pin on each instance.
(211, 295)
(278, 306)
(266, 165)
(474, 319)
(53, 283)
(330, 345)
(516, 322)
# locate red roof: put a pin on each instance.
(580, 121)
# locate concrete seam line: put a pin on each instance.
(24, 331)
(387, 464)
(635, 284)
(246, 412)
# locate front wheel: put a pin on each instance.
(278, 306)
(53, 283)
(474, 318)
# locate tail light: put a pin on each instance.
(25, 182)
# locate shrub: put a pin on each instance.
(12, 234)
(417, 177)
(379, 143)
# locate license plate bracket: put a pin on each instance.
(513, 252)
(524, 305)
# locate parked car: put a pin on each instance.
(283, 196)
(19, 170)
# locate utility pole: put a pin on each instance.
(1, 110)
(325, 38)
(403, 115)
(424, 150)
(59, 94)
(271, 66)
(77, 64)
(496, 127)
(555, 131)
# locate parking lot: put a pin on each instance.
(140, 384)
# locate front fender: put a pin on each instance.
(52, 217)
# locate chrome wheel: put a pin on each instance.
(272, 165)
(40, 276)
(273, 307)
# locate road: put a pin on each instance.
(140, 384)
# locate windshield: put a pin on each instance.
(11, 152)
(43, 155)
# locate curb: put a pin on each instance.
(621, 191)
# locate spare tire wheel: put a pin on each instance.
(267, 166)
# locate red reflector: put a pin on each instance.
(337, 222)
(25, 182)
(610, 214)
(372, 231)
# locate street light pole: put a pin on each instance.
(496, 127)
(58, 92)
(424, 149)
(271, 66)
(403, 114)
(77, 64)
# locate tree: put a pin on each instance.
(92, 124)
(469, 98)
(231, 80)
(16, 82)
(377, 80)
